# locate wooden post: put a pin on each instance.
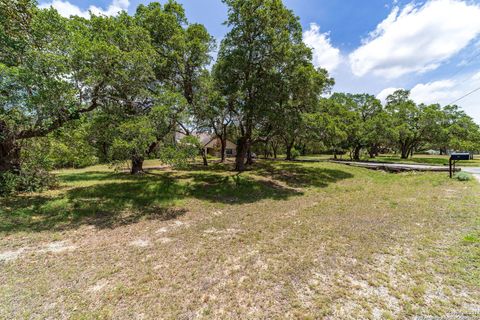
(450, 167)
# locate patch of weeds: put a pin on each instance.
(471, 238)
(417, 292)
(463, 176)
(394, 204)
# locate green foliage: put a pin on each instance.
(472, 238)
(295, 153)
(9, 183)
(53, 70)
(463, 176)
(180, 154)
(142, 78)
(70, 146)
(133, 139)
(35, 174)
(262, 67)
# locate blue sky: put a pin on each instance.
(430, 47)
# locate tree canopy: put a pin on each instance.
(123, 87)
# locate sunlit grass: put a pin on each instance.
(282, 240)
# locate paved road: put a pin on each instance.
(395, 166)
(473, 170)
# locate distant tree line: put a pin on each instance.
(107, 89)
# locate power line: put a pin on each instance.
(458, 71)
(465, 64)
(464, 96)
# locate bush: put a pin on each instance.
(180, 154)
(295, 153)
(8, 183)
(34, 175)
(463, 176)
(28, 180)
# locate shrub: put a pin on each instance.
(8, 183)
(295, 153)
(463, 176)
(180, 154)
(34, 175)
(28, 180)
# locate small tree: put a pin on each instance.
(213, 112)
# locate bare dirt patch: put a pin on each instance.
(11, 255)
(141, 243)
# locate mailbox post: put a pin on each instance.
(454, 157)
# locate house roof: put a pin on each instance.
(205, 138)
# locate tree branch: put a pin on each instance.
(60, 120)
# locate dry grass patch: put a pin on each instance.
(285, 240)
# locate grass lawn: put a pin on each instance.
(284, 240)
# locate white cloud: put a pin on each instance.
(445, 92)
(324, 54)
(417, 39)
(382, 96)
(68, 9)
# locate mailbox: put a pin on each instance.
(454, 157)
(460, 156)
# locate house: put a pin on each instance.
(212, 144)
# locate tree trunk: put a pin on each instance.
(242, 149)
(223, 149)
(9, 156)
(249, 156)
(372, 152)
(304, 149)
(410, 151)
(105, 152)
(334, 154)
(137, 165)
(356, 153)
(274, 149)
(404, 151)
(204, 157)
(289, 147)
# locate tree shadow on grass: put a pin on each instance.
(110, 204)
(235, 188)
(90, 176)
(115, 199)
(105, 205)
(297, 175)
